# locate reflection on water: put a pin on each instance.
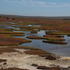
(41, 33)
(63, 50)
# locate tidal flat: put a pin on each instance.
(34, 45)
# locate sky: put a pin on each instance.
(35, 7)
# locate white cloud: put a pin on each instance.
(35, 3)
(50, 4)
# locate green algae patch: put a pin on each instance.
(53, 36)
(35, 37)
(59, 33)
(54, 39)
(55, 42)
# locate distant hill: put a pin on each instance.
(58, 17)
(34, 19)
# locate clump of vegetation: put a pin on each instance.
(35, 37)
(12, 41)
(55, 42)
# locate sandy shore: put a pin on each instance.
(22, 60)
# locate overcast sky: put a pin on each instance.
(35, 7)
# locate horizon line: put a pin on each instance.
(30, 16)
